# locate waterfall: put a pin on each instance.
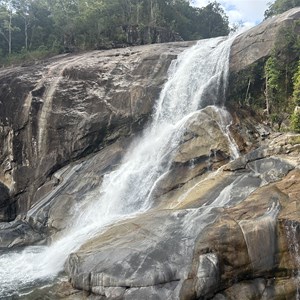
(196, 79)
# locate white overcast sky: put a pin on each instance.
(247, 12)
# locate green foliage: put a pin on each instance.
(213, 21)
(272, 86)
(275, 97)
(279, 71)
(273, 74)
(71, 25)
(247, 87)
(295, 121)
(296, 82)
(295, 117)
(280, 6)
(294, 140)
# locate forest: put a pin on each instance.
(45, 27)
(34, 29)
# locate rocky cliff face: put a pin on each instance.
(67, 122)
(70, 106)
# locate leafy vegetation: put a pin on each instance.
(296, 82)
(246, 87)
(295, 121)
(272, 86)
(278, 72)
(44, 27)
(295, 117)
(294, 140)
(280, 6)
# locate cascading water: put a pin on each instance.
(196, 79)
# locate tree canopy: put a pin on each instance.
(67, 25)
(280, 6)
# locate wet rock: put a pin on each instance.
(68, 188)
(59, 289)
(270, 169)
(260, 288)
(4, 201)
(208, 274)
(262, 255)
(161, 291)
(18, 233)
(147, 256)
(71, 185)
(204, 147)
(204, 136)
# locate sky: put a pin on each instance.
(246, 12)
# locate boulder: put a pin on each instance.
(205, 146)
(204, 136)
(18, 233)
(258, 42)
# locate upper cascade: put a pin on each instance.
(197, 78)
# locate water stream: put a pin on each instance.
(196, 79)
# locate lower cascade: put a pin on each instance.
(176, 217)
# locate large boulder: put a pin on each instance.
(258, 42)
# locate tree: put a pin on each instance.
(196, 23)
(296, 90)
(22, 8)
(279, 71)
(295, 117)
(272, 75)
(6, 27)
(68, 25)
(213, 20)
(65, 14)
(280, 6)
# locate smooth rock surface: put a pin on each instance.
(258, 42)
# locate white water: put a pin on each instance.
(198, 78)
